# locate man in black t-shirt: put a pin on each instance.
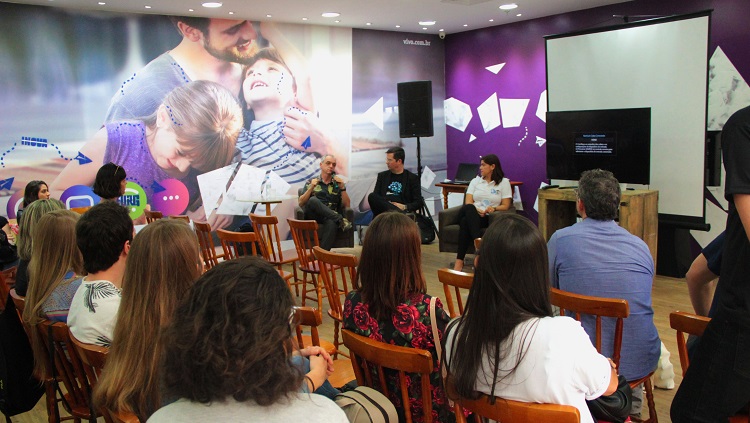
(324, 200)
(717, 383)
(396, 189)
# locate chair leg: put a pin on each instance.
(53, 412)
(296, 280)
(304, 288)
(652, 417)
(336, 339)
(319, 289)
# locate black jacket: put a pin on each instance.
(412, 191)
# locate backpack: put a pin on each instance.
(427, 233)
(19, 391)
(366, 405)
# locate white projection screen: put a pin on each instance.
(661, 64)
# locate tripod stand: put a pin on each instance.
(423, 207)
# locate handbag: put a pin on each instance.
(366, 405)
(613, 408)
(438, 343)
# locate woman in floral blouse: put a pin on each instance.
(390, 305)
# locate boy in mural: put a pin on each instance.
(195, 127)
(269, 89)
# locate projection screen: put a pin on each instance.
(661, 64)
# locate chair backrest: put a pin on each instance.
(308, 317)
(152, 215)
(305, 236)
(598, 307)
(267, 229)
(366, 352)
(237, 244)
(339, 271)
(184, 217)
(508, 411)
(206, 243)
(68, 367)
(458, 281)
(691, 324)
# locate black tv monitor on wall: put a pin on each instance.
(618, 140)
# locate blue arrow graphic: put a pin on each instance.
(6, 183)
(82, 160)
(307, 143)
(157, 187)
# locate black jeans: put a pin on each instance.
(378, 204)
(470, 227)
(717, 383)
(328, 221)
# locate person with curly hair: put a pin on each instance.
(390, 305)
(228, 351)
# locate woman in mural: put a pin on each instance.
(194, 130)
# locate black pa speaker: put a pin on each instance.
(415, 109)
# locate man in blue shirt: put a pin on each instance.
(599, 258)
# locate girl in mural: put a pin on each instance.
(489, 192)
(194, 130)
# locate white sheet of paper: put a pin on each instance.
(536, 203)
(246, 184)
(517, 199)
(213, 185)
(427, 177)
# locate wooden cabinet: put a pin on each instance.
(639, 213)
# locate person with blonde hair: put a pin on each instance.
(163, 263)
(390, 305)
(26, 224)
(55, 271)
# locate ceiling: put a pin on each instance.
(450, 15)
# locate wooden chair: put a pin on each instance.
(691, 324)
(509, 411)
(64, 366)
(605, 307)
(7, 280)
(305, 236)
(456, 280)
(366, 352)
(237, 244)
(20, 303)
(311, 318)
(152, 215)
(183, 217)
(206, 243)
(337, 271)
(267, 229)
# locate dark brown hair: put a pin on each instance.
(497, 172)
(391, 264)
(230, 337)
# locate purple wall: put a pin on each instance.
(521, 47)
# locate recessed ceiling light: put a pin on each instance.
(147, 7)
(191, 10)
(440, 30)
(368, 23)
(337, 21)
(304, 19)
(510, 6)
(231, 13)
(101, 3)
(331, 14)
(466, 24)
(424, 29)
(398, 26)
(518, 14)
(268, 16)
(426, 23)
(212, 4)
(492, 20)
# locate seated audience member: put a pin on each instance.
(324, 201)
(507, 343)
(396, 189)
(599, 258)
(163, 264)
(390, 304)
(488, 192)
(227, 352)
(110, 182)
(8, 252)
(103, 234)
(26, 224)
(717, 383)
(35, 190)
(55, 269)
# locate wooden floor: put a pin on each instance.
(669, 294)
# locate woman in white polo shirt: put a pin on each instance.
(488, 192)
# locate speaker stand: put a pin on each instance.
(423, 207)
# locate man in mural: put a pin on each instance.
(396, 189)
(324, 200)
(600, 258)
(717, 383)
